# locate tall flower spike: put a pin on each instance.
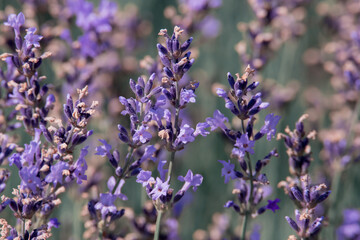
(245, 103)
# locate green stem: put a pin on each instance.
(172, 156)
(176, 126)
(248, 211)
(243, 229)
(334, 202)
(158, 221)
(251, 180)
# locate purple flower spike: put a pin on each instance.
(190, 180)
(269, 127)
(228, 170)
(272, 205)
(160, 189)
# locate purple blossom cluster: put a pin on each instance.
(47, 168)
(306, 196)
(61, 85)
(154, 115)
(250, 184)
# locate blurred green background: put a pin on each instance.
(216, 58)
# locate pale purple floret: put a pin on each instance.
(15, 21)
(81, 166)
(141, 135)
(56, 173)
(217, 121)
(186, 134)
(15, 159)
(201, 129)
(187, 96)
(228, 170)
(221, 93)
(244, 144)
(53, 222)
(29, 178)
(32, 39)
(269, 127)
(145, 178)
(103, 150)
(111, 184)
(30, 155)
(148, 153)
(190, 180)
(160, 189)
(106, 204)
(162, 171)
(272, 205)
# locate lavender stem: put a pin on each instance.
(158, 220)
(244, 224)
(251, 188)
(176, 123)
(172, 156)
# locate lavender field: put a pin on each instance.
(180, 119)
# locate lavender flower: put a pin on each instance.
(228, 170)
(305, 195)
(270, 126)
(160, 189)
(56, 173)
(144, 177)
(32, 39)
(245, 103)
(15, 21)
(272, 205)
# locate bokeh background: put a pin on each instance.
(215, 57)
